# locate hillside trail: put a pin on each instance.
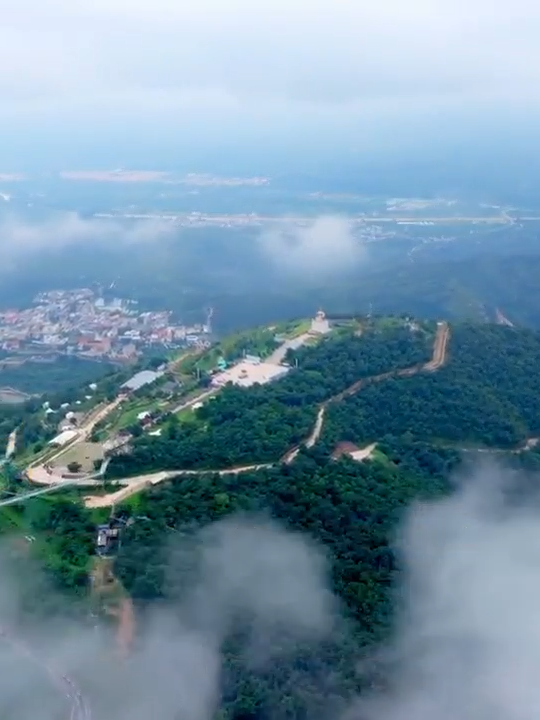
(142, 482)
(440, 348)
(125, 632)
(438, 359)
(108, 590)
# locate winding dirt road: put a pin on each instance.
(440, 347)
(80, 709)
(139, 483)
(438, 359)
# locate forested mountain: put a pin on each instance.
(419, 392)
(458, 289)
(259, 424)
(350, 508)
(453, 289)
(487, 394)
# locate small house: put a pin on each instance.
(107, 538)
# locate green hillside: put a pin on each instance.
(457, 289)
(259, 424)
(350, 508)
(422, 392)
(483, 394)
(488, 394)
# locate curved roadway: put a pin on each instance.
(80, 709)
(39, 474)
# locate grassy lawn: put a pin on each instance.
(128, 413)
(188, 415)
(293, 328)
(83, 453)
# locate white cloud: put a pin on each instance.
(21, 238)
(318, 50)
(242, 578)
(469, 643)
(323, 248)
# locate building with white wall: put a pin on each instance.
(319, 324)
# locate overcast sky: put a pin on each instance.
(114, 58)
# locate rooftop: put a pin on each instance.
(64, 437)
(145, 377)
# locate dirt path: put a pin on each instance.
(440, 347)
(97, 415)
(108, 591)
(194, 400)
(141, 482)
(317, 428)
(438, 359)
(126, 627)
(173, 364)
(125, 632)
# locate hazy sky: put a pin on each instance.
(166, 61)
(324, 51)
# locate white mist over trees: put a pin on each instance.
(465, 644)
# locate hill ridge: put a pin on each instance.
(437, 360)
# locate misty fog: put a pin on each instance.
(320, 251)
(251, 275)
(466, 641)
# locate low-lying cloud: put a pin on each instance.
(466, 645)
(244, 580)
(21, 238)
(319, 250)
(468, 642)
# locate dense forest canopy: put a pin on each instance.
(259, 424)
(350, 508)
(488, 394)
(485, 396)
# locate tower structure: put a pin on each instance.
(319, 324)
